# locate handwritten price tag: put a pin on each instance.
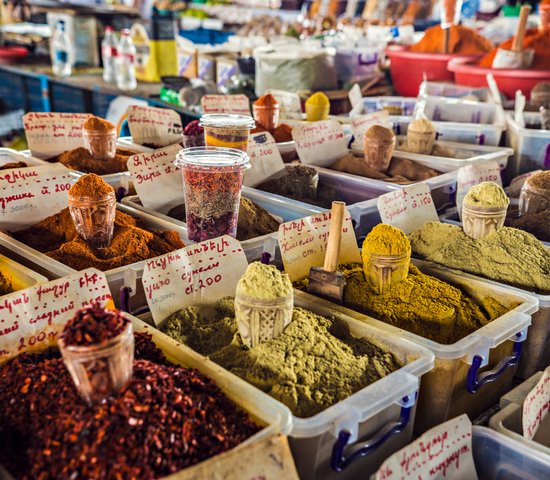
(408, 208)
(154, 172)
(361, 124)
(31, 319)
(234, 104)
(443, 452)
(320, 143)
(265, 159)
(303, 244)
(289, 104)
(198, 274)
(29, 195)
(159, 127)
(49, 134)
(536, 406)
(474, 174)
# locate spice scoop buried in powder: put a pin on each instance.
(419, 303)
(165, 419)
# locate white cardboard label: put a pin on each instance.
(536, 405)
(444, 452)
(320, 143)
(31, 319)
(289, 104)
(355, 96)
(265, 159)
(29, 195)
(49, 134)
(232, 104)
(474, 174)
(158, 126)
(361, 124)
(201, 273)
(156, 179)
(303, 244)
(408, 208)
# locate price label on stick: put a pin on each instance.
(303, 244)
(408, 208)
(232, 104)
(154, 126)
(265, 159)
(536, 406)
(474, 174)
(32, 319)
(29, 195)
(361, 124)
(289, 104)
(320, 143)
(444, 452)
(201, 273)
(49, 134)
(154, 172)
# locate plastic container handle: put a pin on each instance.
(474, 383)
(340, 461)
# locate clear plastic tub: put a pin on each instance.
(375, 104)
(451, 90)
(7, 155)
(19, 276)
(445, 391)
(531, 146)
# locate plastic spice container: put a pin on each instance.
(101, 145)
(480, 221)
(266, 115)
(382, 271)
(379, 144)
(317, 107)
(229, 131)
(212, 184)
(533, 199)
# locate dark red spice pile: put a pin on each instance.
(93, 325)
(166, 419)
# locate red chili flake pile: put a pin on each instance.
(93, 325)
(166, 419)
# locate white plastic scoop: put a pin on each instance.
(517, 57)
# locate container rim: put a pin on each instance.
(227, 120)
(212, 157)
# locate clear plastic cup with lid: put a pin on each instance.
(383, 271)
(212, 184)
(228, 131)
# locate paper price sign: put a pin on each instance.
(320, 143)
(474, 174)
(49, 134)
(32, 319)
(154, 172)
(408, 208)
(536, 406)
(444, 452)
(156, 127)
(199, 274)
(303, 244)
(29, 195)
(265, 159)
(290, 105)
(232, 104)
(361, 124)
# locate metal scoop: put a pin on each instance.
(517, 57)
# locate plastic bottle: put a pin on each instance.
(109, 47)
(60, 43)
(126, 70)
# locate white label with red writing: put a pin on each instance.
(49, 134)
(156, 179)
(289, 104)
(474, 174)
(361, 124)
(408, 208)
(536, 405)
(156, 127)
(232, 104)
(32, 319)
(29, 195)
(199, 274)
(444, 452)
(265, 159)
(320, 143)
(303, 244)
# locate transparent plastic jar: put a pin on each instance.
(304, 187)
(101, 145)
(260, 320)
(420, 142)
(100, 370)
(533, 199)
(228, 131)
(378, 152)
(477, 222)
(383, 271)
(266, 116)
(545, 117)
(94, 218)
(212, 184)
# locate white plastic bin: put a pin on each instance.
(375, 104)
(451, 90)
(8, 155)
(20, 277)
(531, 146)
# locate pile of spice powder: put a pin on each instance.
(166, 419)
(313, 364)
(98, 124)
(486, 195)
(91, 186)
(80, 159)
(5, 285)
(462, 40)
(56, 236)
(9, 166)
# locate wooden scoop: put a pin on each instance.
(328, 282)
(517, 57)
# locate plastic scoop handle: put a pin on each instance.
(517, 46)
(334, 237)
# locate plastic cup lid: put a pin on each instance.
(212, 157)
(226, 120)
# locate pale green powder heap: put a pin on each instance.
(264, 282)
(486, 195)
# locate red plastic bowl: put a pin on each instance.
(12, 54)
(508, 80)
(408, 69)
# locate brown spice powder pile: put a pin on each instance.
(80, 159)
(91, 186)
(98, 124)
(540, 180)
(9, 166)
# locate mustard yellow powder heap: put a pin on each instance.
(486, 195)
(386, 240)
